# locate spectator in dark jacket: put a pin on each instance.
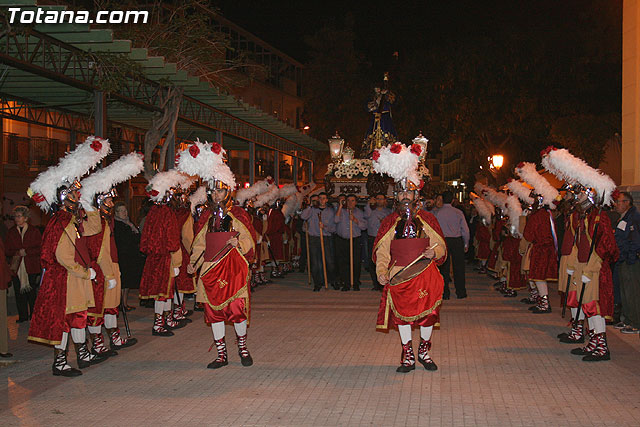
(5, 278)
(130, 259)
(23, 244)
(627, 235)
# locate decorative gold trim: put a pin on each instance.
(411, 318)
(43, 341)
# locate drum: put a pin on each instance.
(411, 271)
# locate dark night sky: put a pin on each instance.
(386, 26)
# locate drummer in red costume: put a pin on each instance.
(160, 241)
(223, 248)
(65, 291)
(540, 231)
(405, 236)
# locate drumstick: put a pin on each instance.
(415, 260)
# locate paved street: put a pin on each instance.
(320, 361)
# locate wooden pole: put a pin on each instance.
(306, 235)
(351, 248)
(324, 262)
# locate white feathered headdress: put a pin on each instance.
(574, 170)
(484, 208)
(529, 174)
(521, 191)
(255, 190)
(399, 162)
(514, 211)
(163, 181)
(268, 197)
(294, 201)
(198, 197)
(490, 194)
(103, 180)
(206, 161)
(70, 168)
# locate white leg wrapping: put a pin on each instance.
(241, 328)
(79, 336)
(110, 321)
(167, 305)
(543, 289)
(425, 332)
(599, 324)
(176, 300)
(63, 342)
(95, 329)
(405, 333)
(158, 308)
(590, 323)
(218, 330)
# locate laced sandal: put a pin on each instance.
(98, 348)
(423, 356)
(576, 336)
(85, 358)
(245, 357)
(590, 347)
(171, 323)
(118, 341)
(543, 306)
(60, 367)
(221, 360)
(159, 328)
(601, 352)
(408, 360)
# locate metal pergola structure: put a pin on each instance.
(49, 69)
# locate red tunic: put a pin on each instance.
(483, 238)
(184, 280)
(94, 244)
(511, 253)
(416, 301)
(160, 237)
(276, 228)
(225, 281)
(48, 320)
(496, 235)
(544, 258)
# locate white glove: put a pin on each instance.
(284, 242)
(176, 271)
(585, 279)
(259, 240)
(569, 272)
(92, 274)
(112, 284)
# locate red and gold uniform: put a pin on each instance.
(223, 282)
(65, 291)
(415, 301)
(482, 240)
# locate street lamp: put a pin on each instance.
(422, 142)
(347, 154)
(497, 160)
(336, 145)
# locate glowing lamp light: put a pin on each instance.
(455, 183)
(247, 185)
(347, 154)
(497, 160)
(306, 128)
(422, 142)
(336, 144)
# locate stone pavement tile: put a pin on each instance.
(319, 361)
